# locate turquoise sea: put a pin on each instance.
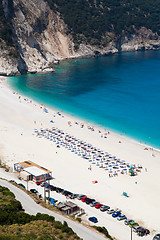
(119, 92)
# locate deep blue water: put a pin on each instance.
(120, 92)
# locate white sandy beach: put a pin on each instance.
(19, 118)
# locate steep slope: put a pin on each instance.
(8, 50)
(39, 33)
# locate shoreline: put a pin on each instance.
(86, 121)
(21, 115)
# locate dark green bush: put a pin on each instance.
(58, 225)
(78, 219)
(88, 19)
(103, 230)
(41, 216)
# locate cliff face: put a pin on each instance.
(144, 39)
(39, 35)
(8, 63)
(42, 40)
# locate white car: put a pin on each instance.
(121, 217)
(104, 208)
(128, 221)
(110, 211)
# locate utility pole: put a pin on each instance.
(44, 194)
(46, 190)
(131, 232)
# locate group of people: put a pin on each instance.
(97, 157)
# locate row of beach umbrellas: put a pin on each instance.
(93, 155)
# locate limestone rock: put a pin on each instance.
(42, 40)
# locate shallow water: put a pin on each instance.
(119, 92)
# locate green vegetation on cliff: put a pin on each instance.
(90, 20)
(6, 34)
(5, 28)
(18, 225)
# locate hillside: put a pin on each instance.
(18, 225)
(92, 20)
(37, 34)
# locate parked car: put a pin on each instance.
(46, 185)
(33, 191)
(39, 195)
(13, 181)
(65, 192)
(80, 196)
(157, 237)
(121, 217)
(39, 183)
(116, 214)
(98, 205)
(137, 228)
(110, 211)
(21, 185)
(146, 231)
(141, 231)
(83, 199)
(69, 194)
(128, 221)
(93, 204)
(133, 224)
(93, 219)
(104, 208)
(89, 200)
(59, 190)
(42, 184)
(52, 188)
(73, 195)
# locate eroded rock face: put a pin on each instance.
(40, 35)
(8, 64)
(143, 39)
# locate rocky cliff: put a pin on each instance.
(42, 39)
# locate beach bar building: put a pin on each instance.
(31, 171)
(69, 208)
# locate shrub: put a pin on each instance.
(103, 230)
(46, 237)
(58, 225)
(60, 236)
(30, 236)
(78, 219)
(8, 193)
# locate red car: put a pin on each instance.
(84, 199)
(98, 205)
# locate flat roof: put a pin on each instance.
(71, 204)
(35, 171)
(66, 208)
(29, 163)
